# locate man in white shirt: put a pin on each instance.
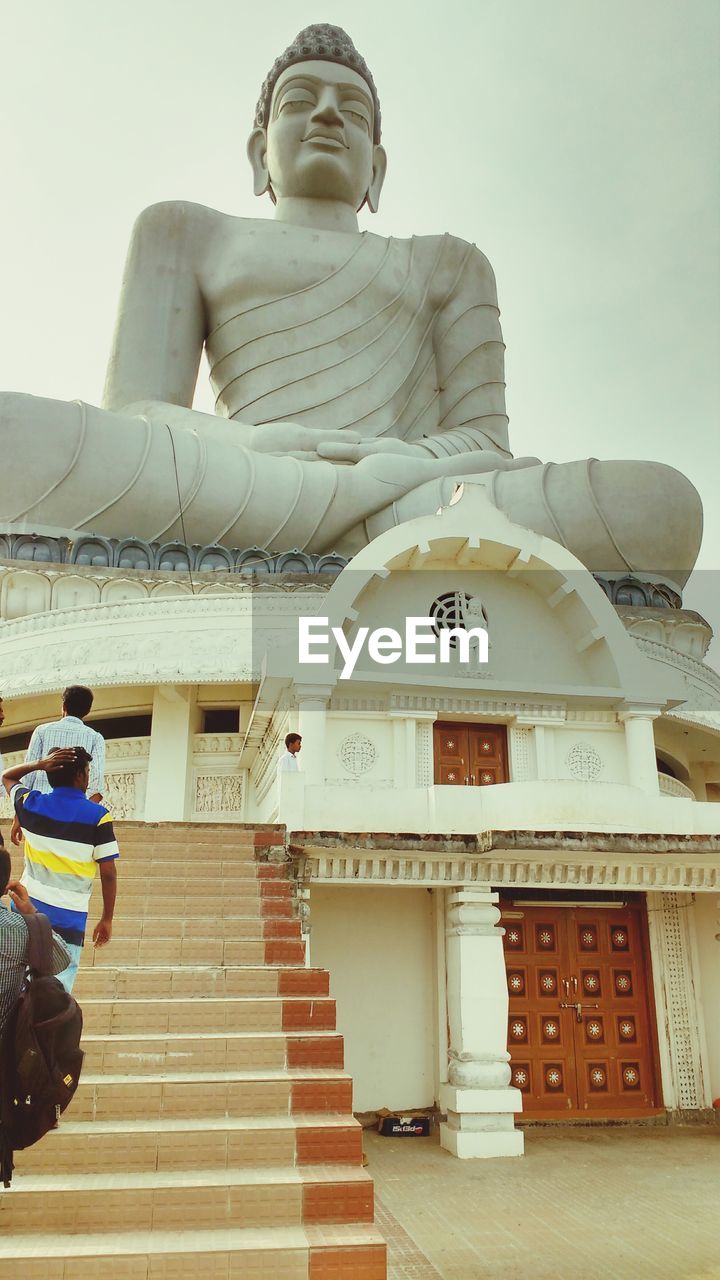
(288, 762)
(69, 731)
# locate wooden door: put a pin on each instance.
(580, 1031)
(452, 759)
(470, 754)
(488, 754)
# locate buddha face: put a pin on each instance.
(319, 139)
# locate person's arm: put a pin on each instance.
(97, 770)
(21, 900)
(10, 778)
(102, 933)
(35, 751)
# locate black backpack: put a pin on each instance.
(40, 1054)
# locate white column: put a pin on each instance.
(640, 746)
(312, 703)
(175, 718)
(478, 1100)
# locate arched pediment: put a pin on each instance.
(551, 627)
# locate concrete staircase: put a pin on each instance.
(212, 1133)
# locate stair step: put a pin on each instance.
(238, 928)
(225, 1051)
(207, 1014)
(339, 1252)
(211, 1143)
(162, 982)
(212, 1094)
(188, 899)
(247, 1197)
(191, 951)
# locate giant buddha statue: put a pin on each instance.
(357, 377)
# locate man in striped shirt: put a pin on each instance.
(66, 837)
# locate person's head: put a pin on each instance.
(293, 742)
(4, 867)
(75, 774)
(317, 124)
(2, 710)
(77, 701)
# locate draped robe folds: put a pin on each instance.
(387, 338)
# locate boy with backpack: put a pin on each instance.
(66, 837)
(40, 1025)
(15, 940)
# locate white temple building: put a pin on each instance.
(509, 868)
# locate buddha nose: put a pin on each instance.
(327, 110)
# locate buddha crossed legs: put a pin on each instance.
(357, 377)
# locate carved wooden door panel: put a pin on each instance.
(580, 1032)
(451, 754)
(540, 1032)
(614, 1044)
(488, 754)
(470, 754)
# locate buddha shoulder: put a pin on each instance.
(182, 227)
(459, 267)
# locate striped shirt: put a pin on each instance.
(67, 732)
(66, 835)
(14, 943)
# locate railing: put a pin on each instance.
(219, 788)
(672, 787)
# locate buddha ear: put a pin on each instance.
(257, 155)
(378, 177)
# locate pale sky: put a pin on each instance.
(575, 141)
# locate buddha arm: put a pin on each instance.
(469, 356)
(161, 318)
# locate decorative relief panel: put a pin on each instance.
(520, 770)
(671, 943)
(219, 793)
(584, 762)
(120, 795)
(357, 754)
(424, 753)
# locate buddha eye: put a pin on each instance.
(295, 98)
(358, 112)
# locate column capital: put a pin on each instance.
(313, 692)
(638, 711)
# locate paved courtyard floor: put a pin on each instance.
(582, 1204)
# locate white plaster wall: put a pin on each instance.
(706, 911)
(378, 947)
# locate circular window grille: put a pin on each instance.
(457, 609)
(357, 754)
(584, 762)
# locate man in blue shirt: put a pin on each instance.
(66, 837)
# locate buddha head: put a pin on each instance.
(317, 124)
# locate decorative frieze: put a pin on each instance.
(217, 793)
(632, 874)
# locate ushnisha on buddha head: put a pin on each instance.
(317, 124)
